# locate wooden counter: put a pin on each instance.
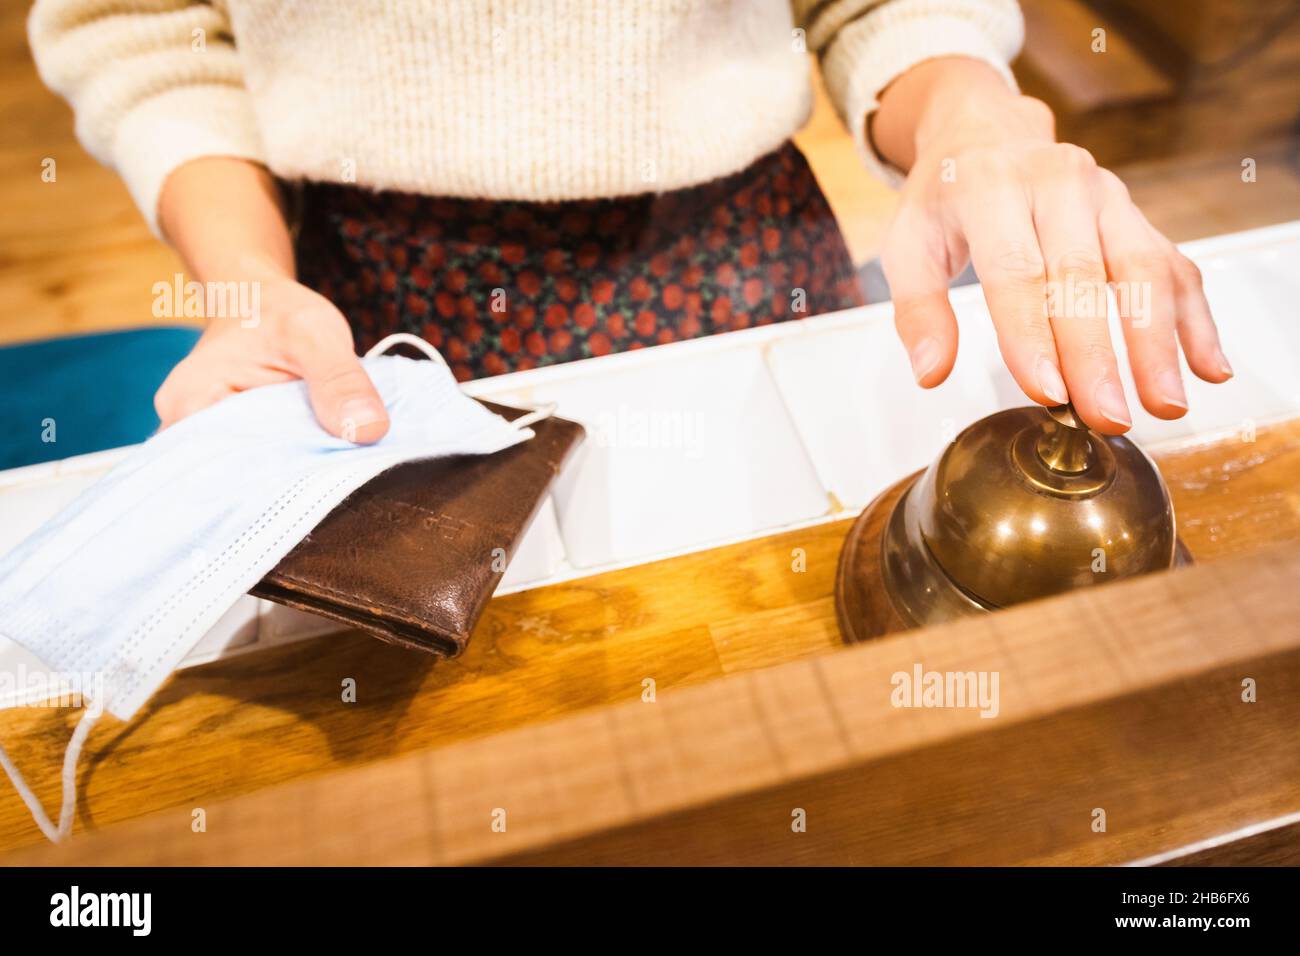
(1154, 727)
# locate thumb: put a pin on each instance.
(342, 395)
(923, 317)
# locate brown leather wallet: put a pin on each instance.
(413, 555)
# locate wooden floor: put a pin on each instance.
(235, 727)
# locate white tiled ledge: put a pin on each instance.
(717, 440)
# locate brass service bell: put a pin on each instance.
(1023, 504)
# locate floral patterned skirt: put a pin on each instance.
(500, 286)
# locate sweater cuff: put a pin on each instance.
(868, 57)
(175, 126)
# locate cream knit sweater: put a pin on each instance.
(513, 99)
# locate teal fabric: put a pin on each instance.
(70, 396)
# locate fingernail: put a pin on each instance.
(356, 414)
(1171, 388)
(925, 357)
(1110, 402)
(1050, 381)
(1224, 367)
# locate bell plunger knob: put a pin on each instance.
(1064, 447)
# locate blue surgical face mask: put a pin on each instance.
(124, 582)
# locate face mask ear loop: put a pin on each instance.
(70, 758)
(406, 338)
(545, 410)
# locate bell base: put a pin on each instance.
(864, 608)
(862, 605)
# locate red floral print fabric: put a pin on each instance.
(504, 286)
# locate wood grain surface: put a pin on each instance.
(238, 726)
(1120, 731)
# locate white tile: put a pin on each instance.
(278, 624)
(18, 667)
(1253, 294)
(540, 553)
(863, 419)
(681, 451)
(41, 472)
(866, 424)
(237, 629)
(25, 507)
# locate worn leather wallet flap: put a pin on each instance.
(414, 555)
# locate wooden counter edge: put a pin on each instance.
(719, 772)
